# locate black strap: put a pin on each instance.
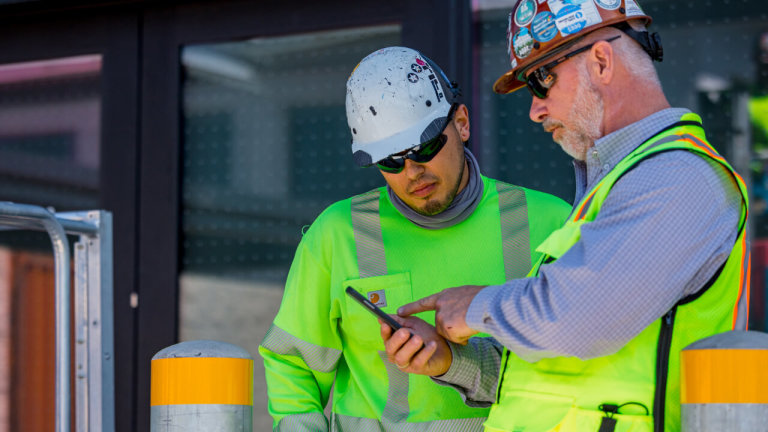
(703, 289)
(607, 424)
(651, 42)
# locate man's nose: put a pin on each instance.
(413, 169)
(538, 110)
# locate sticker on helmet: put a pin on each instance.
(632, 8)
(571, 16)
(416, 68)
(523, 43)
(609, 4)
(513, 63)
(543, 27)
(436, 85)
(412, 77)
(570, 20)
(525, 12)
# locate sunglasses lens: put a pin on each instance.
(535, 86)
(391, 165)
(429, 149)
(426, 151)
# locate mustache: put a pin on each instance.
(423, 180)
(550, 124)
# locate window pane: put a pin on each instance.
(50, 132)
(266, 148)
(50, 127)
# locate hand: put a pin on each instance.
(450, 306)
(416, 348)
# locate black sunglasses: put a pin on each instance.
(542, 79)
(421, 153)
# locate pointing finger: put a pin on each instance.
(421, 305)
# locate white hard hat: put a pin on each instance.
(397, 98)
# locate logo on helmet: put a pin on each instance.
(543, 27)
(570, 20)
(526, 10)
(523, 43)
(609, 4)
(633, 9)
(436, 85)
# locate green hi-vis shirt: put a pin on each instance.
(322, 338)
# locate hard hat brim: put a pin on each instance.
(368, 153)
(507, 83)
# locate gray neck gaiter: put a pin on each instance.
(462, 206)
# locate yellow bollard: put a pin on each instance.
(202, 386)
(724, 383)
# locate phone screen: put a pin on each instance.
(373, 308)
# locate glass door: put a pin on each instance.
(266, 148)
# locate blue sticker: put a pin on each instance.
(543, 27)
(609, 4)
(523, 43)
(525, 12)
(570, 19)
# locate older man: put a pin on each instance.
(653, 257)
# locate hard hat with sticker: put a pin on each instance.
(540, 29)
(397, 98)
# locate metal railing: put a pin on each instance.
(94, 352)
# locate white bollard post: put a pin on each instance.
(724, 383)
(202, 386)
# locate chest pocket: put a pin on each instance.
(358, 324)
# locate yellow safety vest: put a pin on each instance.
(570, 394)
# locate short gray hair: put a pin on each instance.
(637, 61)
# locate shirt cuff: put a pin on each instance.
(479, 311)
(463, 367)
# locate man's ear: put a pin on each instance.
(461, 122)
(602, 60)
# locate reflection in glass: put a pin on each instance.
(266, 148)
(50, 115)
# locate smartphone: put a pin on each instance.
(373, 308)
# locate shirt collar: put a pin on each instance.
(612, 148)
